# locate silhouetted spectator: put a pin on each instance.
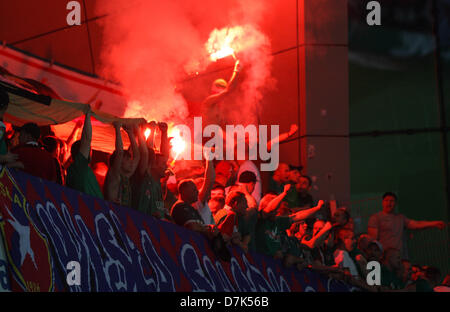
(212, 108)
(279, 179)
(184, 214)
(217, 200)
(249, 166)
(4, 102)
(224, 173)
(227, 219)
(295, 173)
(147, 194)
(122, 165)
(247, 221)
(36, 160)
(407, 272)
(204, 186)
(79, 175)
(391, 270)
(218, 190)
(51, 145)
(305, 200)
(345, 244)
(270, 227)
(431, 278)
(363, 242)
(374, 251)
(215, 204)
(6, 158)
(316, 242)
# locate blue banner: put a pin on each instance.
(58, 239)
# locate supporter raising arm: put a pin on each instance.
(143, 150)
(136, 156)
(305, 214)
(317, 238)
(86, 136)
(79, 175)
(279, 139)
(122, 166)
(6, 158)
(295, 217)
(282, 137)
(151, 138)
(208, 182)
(115, 160)
(273, 205)
(164, 147)
(143, 187)
(251, 202)
(68, 144)
(204, 192)
(220, 93)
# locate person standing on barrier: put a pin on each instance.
(388, 227)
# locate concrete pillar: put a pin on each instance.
(324, 99)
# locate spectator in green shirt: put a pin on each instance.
(279, 179)
(247, 222)
(270, 227)
(147, 194)
(122, 165)
(79, 175)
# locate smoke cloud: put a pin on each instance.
(150, 45)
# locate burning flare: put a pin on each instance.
(178, 145)
(225, 42)
(147, 133)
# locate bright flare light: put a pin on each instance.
(224, 42)
(178, 145)
(147, 133)
(222, 53)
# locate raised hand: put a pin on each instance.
(152, 125)
(320, 203)
(237, 66)
(287, 187)
(293, 129)
(162, 126)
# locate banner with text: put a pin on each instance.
(58, 239)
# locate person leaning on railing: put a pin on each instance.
(6, 158)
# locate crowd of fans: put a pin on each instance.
(226, 202)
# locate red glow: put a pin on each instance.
(178, 145)
(224, 42)
(166, 40)
(147, 133)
